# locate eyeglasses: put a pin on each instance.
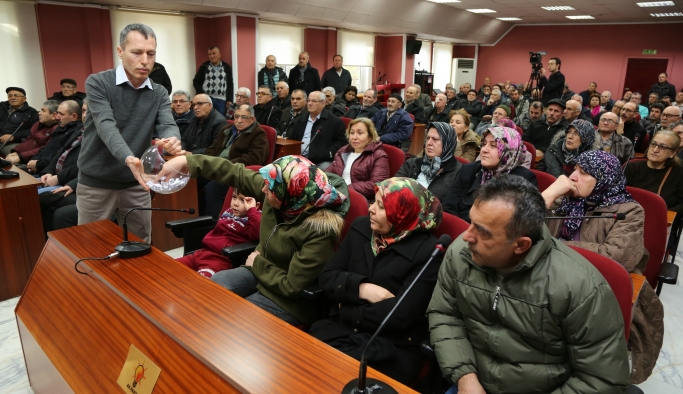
(314, 101)
(179, 101)
(241, 96)
(262, 94)
(200, 104)
(665, 115)
(607, 121)
(655, 145)
(244, 117)
(14, 95)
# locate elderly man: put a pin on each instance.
(271, 75)
(516, 310)
(611, 141)
(68, 92)
(585, 112)
(438, 112)
(321, 132)
(412, 106)
(39, 136)
(454, 101)
(267, 113)
(618, 105)
(203, 129)
(337, 77)
(606, 101)
(652, 99)
(333, 103)
(182, 113)
(283, 101)
(663, 87)
(241, 97)
(542, 131)
(632, 129)
(16, 119)
(670, 115)
(423, 99)
(63, 166)
(214, 77)
(491, 104)
(290, 116)
(365, 110)
(573, 110)
(303, 76)
(679, 100)
(394, 125)
(535, 113)
(500, 113)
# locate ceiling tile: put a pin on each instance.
(310, 11)
(255, 5)
(333, 15)
(284, 7)
(355, 18)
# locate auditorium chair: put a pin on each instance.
(657, 271)
(543, 179)
(396, 158)
(451, 225)
(531, 149)
(346, 121)
(462, 160)
(271, 135)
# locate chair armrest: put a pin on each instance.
(312, 292)
(668, 273)
(239, 251)
(177, 226)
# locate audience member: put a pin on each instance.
(597, 187)
(271, 76)
(632, 129)
(501, 112)
(652, 122)
(362, 163)
(412, 106)
(454, 101)
(652, 99)
(487, 82)
(585, 112)
(334, 104)
(606, 101)
(321, 132)
(69, 124)
(124, 110)
(337, 77)
(266, 111)
(611, 141)
(520, 104)
(567, 93)
(594, 108)
(586, 94)
(350, 97)
(283, 101)
(627, 96)
(214, 78)
(566, 147)
(290, 116)
(68, 92)
(303, 76)
(642, 110)
(296, 192)
(203, 128)
(423, 99)
(679, 100)
(242, 97)
(663, 87)
(670, 115)
(617, 106)
(395, 240)
(554, 84)
(677, 127)
(491, 104)
(573, 111)
(542, 131)
(473, 108)
(159, 76)
(38, 137)
(182, 110)
(535, 113)
(238, 224)
(486, 93)
(436, 168)
(394, 125)
(16, 119)
(502, 152)
(496, 277)
(468, 140)
(662, 172)
(63, 166)
(438, 112)
(666, 100)
(367, 109)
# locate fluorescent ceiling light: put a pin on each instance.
(659, 15)
(481, 10)
(580, 17)
(558, 8)
(444, 1)
(509, 19)
(656, 4)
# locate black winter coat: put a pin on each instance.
(69, 170)
(473, 108)
(287, 121)
(160, 76)
(200, 135)
(630, 131)
(328, 134)
(666, 90)
(338, 82)
(461, 196)
(60, 98)
(553, 87)
(310, 83)
(268, 114)
(540, 133)
(417, 111)
(57, 141)
(357, 112)
(443, 180)
(9, 123)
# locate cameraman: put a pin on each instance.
(553, 86)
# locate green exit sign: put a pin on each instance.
(649, 51)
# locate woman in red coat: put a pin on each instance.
(363, 162)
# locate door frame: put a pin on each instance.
(624, 67)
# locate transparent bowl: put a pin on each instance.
(152, 161)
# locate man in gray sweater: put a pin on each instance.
(125, 107)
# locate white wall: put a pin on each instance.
(175, 43)
(22, 62)
(443, 59)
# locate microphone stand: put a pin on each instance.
(615, 216)
(4, 174)
(128, 249)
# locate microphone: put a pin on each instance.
(360, 385)
(615, 216)
(23, 122)
(129, 249)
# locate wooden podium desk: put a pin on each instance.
(21, 232)
(285, 147)
(76, 329)
(162, 238)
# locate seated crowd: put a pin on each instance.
(509, 308)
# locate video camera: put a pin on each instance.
(536, 60)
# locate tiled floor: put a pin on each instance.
(667, 378)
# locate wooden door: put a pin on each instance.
(641, 74)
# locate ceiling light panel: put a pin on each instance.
(481, 10)
(558, 8)
(509, 19)
(656, 4)
(665, 14)
(444, 1)
(580, 17)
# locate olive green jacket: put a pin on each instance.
(552, 325)
(293, 252)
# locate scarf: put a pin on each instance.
(409, 207)
(609, 189)
(271, 78)
(449, 141)
(60, 161)
(299, 185)
(511, 151)
(587, 137)
(595, 111)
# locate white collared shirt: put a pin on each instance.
(307, 135)
(121, 77)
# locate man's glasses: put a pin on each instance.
(179, 101)
(607, 121)
(665, 115)
(655, 145)
(314, 101)
(15, 95)
(244, 117)
(262, 94)
(241, 96)
(200, 104)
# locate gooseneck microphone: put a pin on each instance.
(363, 385)
(615, 216)
(128, 249)
(4, 174)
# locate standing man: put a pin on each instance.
(271, 75)
(303, 76)
(663, 87)
(17, 117)
(553, 86)
(125, 107)
(337, 77)
(214, 77)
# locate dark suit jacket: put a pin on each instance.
(287, 121)
(417, 111)
(201, 134)
(357, 112)
(310, 83)
(552, 87)
(327, 136)
(268, 114)
(461, 196)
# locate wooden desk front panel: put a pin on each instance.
(162, 238)
(285, 147)
(203, 337)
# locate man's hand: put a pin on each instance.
(543, 71)
(6, 138)
(171, 145)
(490, 102)
(469, 384)
(31, 165)
(43, 178)
(13, 157)
(486, 118)
(251, 258)
(373, 293)
(135, 165)
(67, 189)
(52, 180)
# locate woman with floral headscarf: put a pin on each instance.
(561, 155)
(502, 152)
(375, 263)
(301, 220)
(598, 187)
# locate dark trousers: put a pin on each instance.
(50, 203)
